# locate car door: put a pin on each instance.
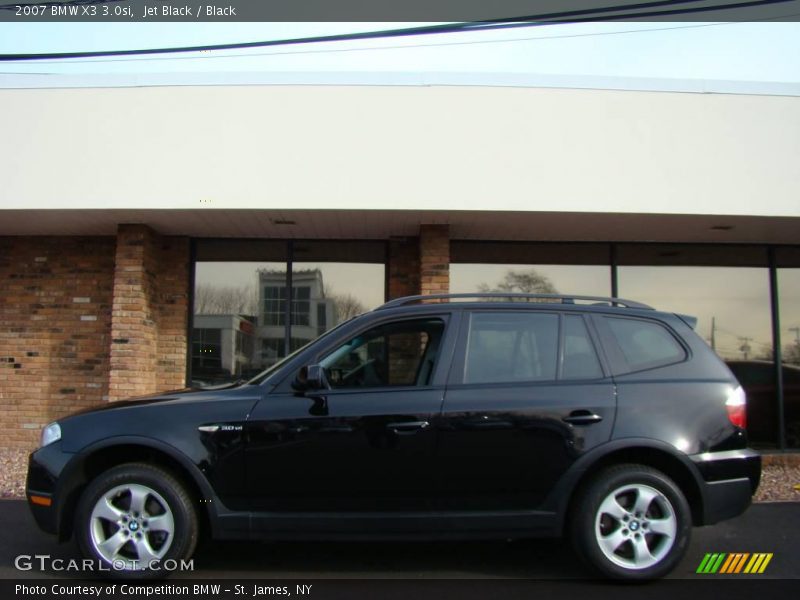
(366, 441)
(528, 394)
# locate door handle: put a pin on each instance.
(582, 417)
(407, 427)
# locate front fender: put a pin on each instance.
(74, 475)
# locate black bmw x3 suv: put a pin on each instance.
(436, 417)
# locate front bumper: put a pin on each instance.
(729, 481)
(44, 487)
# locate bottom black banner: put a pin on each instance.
(386, 589)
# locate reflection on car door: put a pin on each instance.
(367, 442)
(527, 396)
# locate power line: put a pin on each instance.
(400, 47)
(564, 17)
(741, 337)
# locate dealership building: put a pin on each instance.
(163, 236)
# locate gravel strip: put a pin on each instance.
(778, 481)
(13, 468)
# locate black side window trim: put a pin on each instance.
(594, 344)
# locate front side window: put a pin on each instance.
(645, 344)
(403, 353)
(511, 346)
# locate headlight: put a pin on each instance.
(51, 433)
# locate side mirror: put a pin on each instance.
(316, 378)
(311, 377)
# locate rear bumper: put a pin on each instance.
(729, 480)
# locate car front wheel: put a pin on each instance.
(136, 520)
(631, 522)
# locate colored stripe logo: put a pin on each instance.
(734, 563)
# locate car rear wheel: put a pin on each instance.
(136, 520)
(631, 522)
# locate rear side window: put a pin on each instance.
(580, 359)
(511, 346)
(645, 344)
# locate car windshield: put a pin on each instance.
(261, 377)
(346, 349)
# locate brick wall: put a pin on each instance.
(420, 265)
(416, 266)
(55, 309)
(133, 325)
(403, 267)
(434, 256)
(172, 313)
(86, 320)
(149, 313)
(67, 304)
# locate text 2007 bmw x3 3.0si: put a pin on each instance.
(517, 416)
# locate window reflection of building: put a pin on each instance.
(312, 313)
(323, 294)
(726, 287)
(530, 278)
(222, 347)
(734, 320)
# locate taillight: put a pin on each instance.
(736, 405)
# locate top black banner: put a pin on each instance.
(439, 11)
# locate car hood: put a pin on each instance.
(183, 395)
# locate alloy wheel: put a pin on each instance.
(635, 526)
(130, 526)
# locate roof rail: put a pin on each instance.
(565, 299)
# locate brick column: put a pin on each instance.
(434, 257)
(149, 313)
(403, 267)
(416, 266)
(172, 314)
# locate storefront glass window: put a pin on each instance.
(589, 280)
(227, 306)
(329, 293)
(789, 297)
(732, 305)
(240, 312)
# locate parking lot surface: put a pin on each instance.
(770, 528)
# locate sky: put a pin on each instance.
(761, 54)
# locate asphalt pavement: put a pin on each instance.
(772, 528)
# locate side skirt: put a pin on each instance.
(410, 526)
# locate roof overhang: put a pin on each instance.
(384, 224)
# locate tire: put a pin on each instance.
(631, 522)
(132, 515)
